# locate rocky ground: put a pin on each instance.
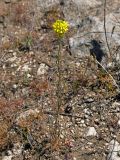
(89, 117)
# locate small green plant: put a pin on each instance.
(26, 44)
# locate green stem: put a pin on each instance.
(59, 94)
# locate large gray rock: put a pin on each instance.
(87, 18)
(47, 3)
(114, 149)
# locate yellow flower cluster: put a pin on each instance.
(60, 27)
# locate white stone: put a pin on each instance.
(9, 153)
(17, 149)
(91, 132)
(43, 68)
(26, 68)
(116, 104)
(7, 157)
(110, 64)
(87, 2)
(28, 75)
(86, 116)
(14, 54)
(118, 57)
(118, 123)
(114, 148)
(12, 59)
(61, 136)
(82, 121)
(14, 86)
(78, 64)
(85, 110)
(13, 65)
(4, 67)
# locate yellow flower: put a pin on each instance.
(60, 27)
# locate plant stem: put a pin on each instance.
(59, 94)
